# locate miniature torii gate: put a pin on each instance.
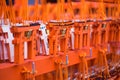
(78, 35)
(22, 34)
(100, 32)
(104, 32)
(82, 34)
(59, 33)
(95, 37)
(114, 32)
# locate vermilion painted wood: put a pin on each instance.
(44, 64)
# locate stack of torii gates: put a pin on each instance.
(69, 51)
(90, 37)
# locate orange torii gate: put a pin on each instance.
(103, 26)
(22, 34)
(94, 34)
(100, 32)
(82, 34)
(86, 34)
(59, 36)
(78, 35)
(113, 31)
(53, 38)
